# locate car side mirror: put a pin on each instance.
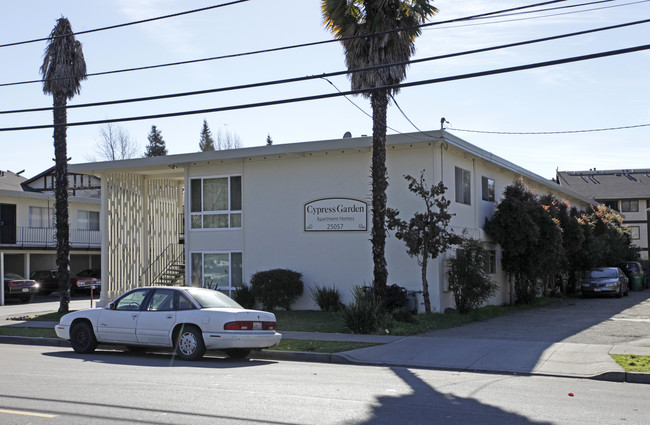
(112, 306)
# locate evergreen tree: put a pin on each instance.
(269, 141)
(207, 142)
(156, 146)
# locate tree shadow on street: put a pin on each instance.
(425, 405)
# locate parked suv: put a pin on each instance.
(48, 281)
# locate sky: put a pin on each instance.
(594, 94)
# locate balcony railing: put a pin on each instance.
(45, 237)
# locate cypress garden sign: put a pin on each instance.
(336, 215)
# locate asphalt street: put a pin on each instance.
(53, 385)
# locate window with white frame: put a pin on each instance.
(630, 205)
(217, 270)
(40, 217)
(216, 203)
(463, 186)
(487, 186)
(635, 232)
(88, 220)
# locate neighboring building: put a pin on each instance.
(27, 229)
(301, 206)
(626, 191)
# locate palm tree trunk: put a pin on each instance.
(61, 196)
(379, 102)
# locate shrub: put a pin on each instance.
(395, 298)
(365, 314)
(277, 288)
(327, 298)
(468, 277)
(403, 315)
(244, 296)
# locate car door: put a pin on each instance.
(118, 322)
(156, 321)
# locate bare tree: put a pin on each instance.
(227, 140)
(115, 144)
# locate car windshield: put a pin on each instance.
(209, 298)
(13, 276)
(596, 273)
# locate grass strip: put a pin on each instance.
(633, 362)
(29, 332)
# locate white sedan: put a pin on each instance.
(188, 319)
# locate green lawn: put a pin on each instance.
(318, 346)
(633, 362)
(31, 332)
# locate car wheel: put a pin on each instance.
(26, 298)
(237, 353)
(189, 343)
(82, 338)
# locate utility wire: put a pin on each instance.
(351, 92)
(325, 75)
(316, 43)
(552, 132)
(173, 15)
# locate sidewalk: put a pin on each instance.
(588, 361)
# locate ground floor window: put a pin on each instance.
(217, 270)
(635, 232)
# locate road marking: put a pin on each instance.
(19, 412)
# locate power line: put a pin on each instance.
(311, 44)
(326, 75)
(142, 21)
(351, 92)
(625, 127)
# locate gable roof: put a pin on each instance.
(608, 184)
(11, 181)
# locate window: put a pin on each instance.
(162, 300)
(217, 270)
(88, 220)
(635, 232)
(491, 262)
(487, 185)
(463, 186)
(39, 217)
(216, 203)
(630, 205)
(132, 301)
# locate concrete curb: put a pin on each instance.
(342, 358)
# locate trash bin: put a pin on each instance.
(636, 282)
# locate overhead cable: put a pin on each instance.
(325, 75)
(310, 44)
(142, 21)
(351, 92)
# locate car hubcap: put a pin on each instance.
(82, 338)
(187, 343)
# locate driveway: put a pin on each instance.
(576, 320)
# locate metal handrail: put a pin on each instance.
(173, 254)
(46, 237)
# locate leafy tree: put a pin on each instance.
(115, 143)
(207, 142)
(513, 227)
(156, 146)
(347, 19)
(63, 70)
(549, 244)
(468, 277)
(609, 240)
(425, 234)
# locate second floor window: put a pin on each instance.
(216, 203)
(488, 189)
(463, 186)
(630, 205)
(88, 220)
(39, 217)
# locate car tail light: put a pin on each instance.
(249, 326)
(12, 283)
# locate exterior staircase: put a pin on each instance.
(168, 269)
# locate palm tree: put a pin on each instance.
(348, 19)
(63, 70)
